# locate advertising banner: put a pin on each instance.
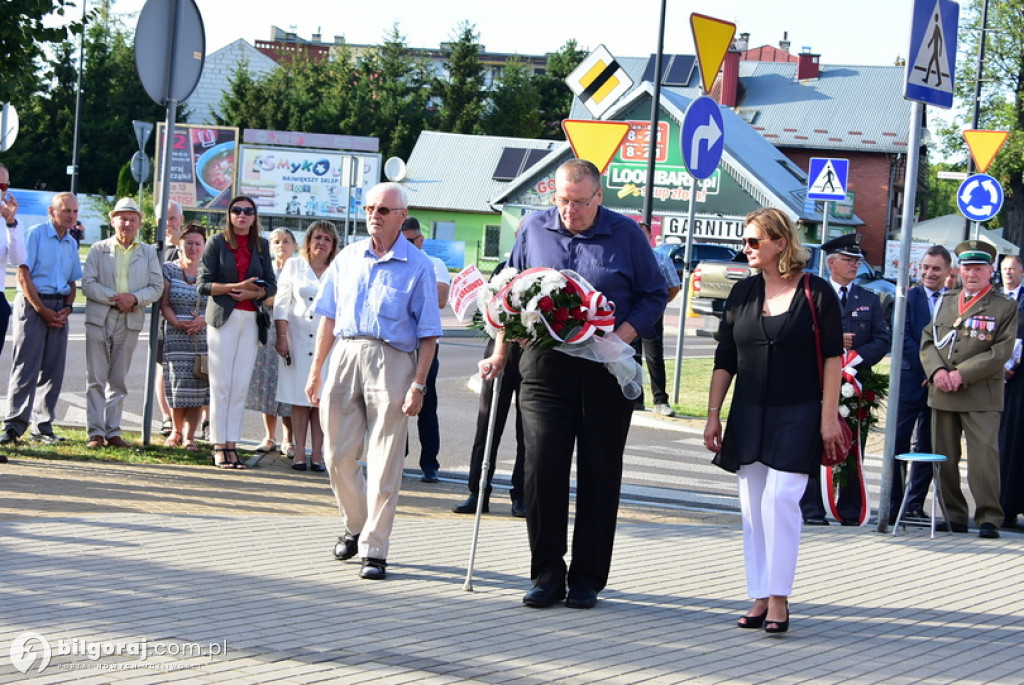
(307, 182)
(202, 165)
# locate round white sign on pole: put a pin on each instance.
(8, 126)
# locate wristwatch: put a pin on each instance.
(419, 386)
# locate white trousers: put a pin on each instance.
(361, 412)
(770, 506)
(232, 349)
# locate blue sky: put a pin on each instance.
(865, 32)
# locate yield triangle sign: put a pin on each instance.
(985, 145)
(712, 38)
(595, 141)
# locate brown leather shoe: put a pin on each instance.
(117, 441)
(95, 441)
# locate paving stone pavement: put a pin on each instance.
(237, 565)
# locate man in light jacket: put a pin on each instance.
(121, 277)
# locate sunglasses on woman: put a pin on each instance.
(248, 211)
(754, 243)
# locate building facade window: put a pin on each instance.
(492, 242)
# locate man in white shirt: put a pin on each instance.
(427, 423)
(12, 251)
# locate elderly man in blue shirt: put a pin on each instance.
(570, 402)
(377, 338)
(46, 293)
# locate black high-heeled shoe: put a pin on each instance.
(235, 462)
(222, 462)
(777, 626)
(752, 621)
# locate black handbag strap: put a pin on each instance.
(817, 329)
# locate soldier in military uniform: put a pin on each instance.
(866, 340)
(963, 352)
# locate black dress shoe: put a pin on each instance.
(815, 521)
(469, 506)
(319, 468)
(373, 569)
(581, 598)
(346, 547)
(953, 525)
(988, 530)
(542, 596)
(519, 508)
(9, 437)
(1011, 524)
(429, 477)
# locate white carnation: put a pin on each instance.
(502, 278)
(844, 411)
(530, 319)
(847, 390)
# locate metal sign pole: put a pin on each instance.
(680, 341)
(899, 317)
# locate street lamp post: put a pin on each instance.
(73, 169)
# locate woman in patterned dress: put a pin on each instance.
(185, 337)
(263, 391)
(296, 324)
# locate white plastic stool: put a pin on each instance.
(936, 461)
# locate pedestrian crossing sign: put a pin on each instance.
(826, 178)
(599, 81)
(932, 58)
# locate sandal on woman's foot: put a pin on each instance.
(752, 621)
(222, 462)
(173, 440)
(191, 446)
(267, 445)
(288, 450)
(234, 460)
(166, 427)
(777, 626)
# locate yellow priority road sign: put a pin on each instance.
(985, 145)
(595, 141)
(599, 81)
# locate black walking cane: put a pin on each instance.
(492, 417)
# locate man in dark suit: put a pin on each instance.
(1011, 429)
(936, 265)
(963, 353)
(866, 337)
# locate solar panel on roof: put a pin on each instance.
(680, 70)
(509, 164)
(532, 157)
(676, 70)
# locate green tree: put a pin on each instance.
(1002, 99)
(555, 96)
(461, 89)
(395, 88)
(23, 39)
(514, 104)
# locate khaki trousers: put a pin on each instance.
(361, 412)
(109, 350)
(981, 431)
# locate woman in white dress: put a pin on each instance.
(296, 324)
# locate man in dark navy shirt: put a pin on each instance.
(570, 402)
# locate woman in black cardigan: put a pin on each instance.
(237, 274)
(780, 416)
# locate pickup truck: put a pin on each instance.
(712, 281)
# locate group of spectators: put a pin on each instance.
(216, 296)
(349, 345)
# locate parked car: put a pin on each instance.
(699, 252)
